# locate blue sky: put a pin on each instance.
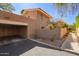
(48, 7)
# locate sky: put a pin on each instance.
(47, 7)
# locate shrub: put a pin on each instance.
(77, 21)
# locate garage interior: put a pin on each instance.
(12, 30)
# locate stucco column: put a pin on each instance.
(77, 32)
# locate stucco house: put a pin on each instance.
(39, 22)
(28, 24)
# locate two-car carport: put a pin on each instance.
(13, 28)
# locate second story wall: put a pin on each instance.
(29, 13)
(40, 19)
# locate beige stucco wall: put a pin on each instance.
(63, 32)
(36, 23)
(30, 14)
(56, 34)
(18, 18)
(43, 22)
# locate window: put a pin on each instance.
(42, 27)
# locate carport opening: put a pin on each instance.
(8, 31)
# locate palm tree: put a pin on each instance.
(7, 7)
(66, 8)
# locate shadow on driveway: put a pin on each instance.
(17, 48)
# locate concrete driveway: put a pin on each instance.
(31, 48)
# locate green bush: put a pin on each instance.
(77, 21)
